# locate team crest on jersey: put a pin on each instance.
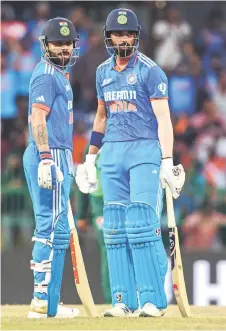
(162, 88)
(132, 79)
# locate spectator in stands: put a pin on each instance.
(189, 63)
(169, 35)
(35, 26)
(200, 228)
(215, 170)
(24, 62)
(207, 126)
(88, 64)
(83, 24)
(9, 86)
(79, 142)
(11, 27)
(219, 96)
(212, 40)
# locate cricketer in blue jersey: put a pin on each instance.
(48, 164)
(134, 131)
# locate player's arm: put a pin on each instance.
(86, 176)
(98, 128)
(39, 129)
(174, 176)
(42, 95)
(165, 129)
(100, 119)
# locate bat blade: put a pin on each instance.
(80, 276)
(79, 270)
(179, 287)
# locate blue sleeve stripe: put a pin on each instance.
(148, 63)
(48, 69)
(144, 57)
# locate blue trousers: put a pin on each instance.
(133, 197)
(130, 172)
(50, 211)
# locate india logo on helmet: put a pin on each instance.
(122, 19)
(64, 30)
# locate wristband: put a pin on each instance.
(96, 139)
(45, 155)
(169, 157)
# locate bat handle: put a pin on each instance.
(170, 208)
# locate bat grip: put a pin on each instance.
(170, 208)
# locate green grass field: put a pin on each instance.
(203, 318)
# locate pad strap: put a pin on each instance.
(41, 288)
(44, 266)
(42, 240)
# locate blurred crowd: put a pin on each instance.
(195, 63)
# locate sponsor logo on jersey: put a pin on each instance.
(41, 98)
(162, 88)
(120, 95)
(106, 81)
(67, 87)
(69, 104)
(132, 79)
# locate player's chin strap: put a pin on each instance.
(44, 266)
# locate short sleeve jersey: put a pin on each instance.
(127, 95)
(50, 90)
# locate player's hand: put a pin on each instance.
(86, 175)
(49, 174)
(173, 175)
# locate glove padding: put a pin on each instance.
(86, 175)
(49, 174)
(174, 176)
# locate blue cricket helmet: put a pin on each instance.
(121, 19)
(59, 29)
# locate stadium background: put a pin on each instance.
(188, 40)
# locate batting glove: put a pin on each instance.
(48, 172)
(173, 175)
(86, 175)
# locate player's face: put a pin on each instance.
(123, 41)
(60, 52)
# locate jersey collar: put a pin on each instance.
(63, 72)
(131, 63)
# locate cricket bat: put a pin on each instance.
(79, 271)
(176, 262)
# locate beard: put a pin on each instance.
(126, 51)
(60, 59)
